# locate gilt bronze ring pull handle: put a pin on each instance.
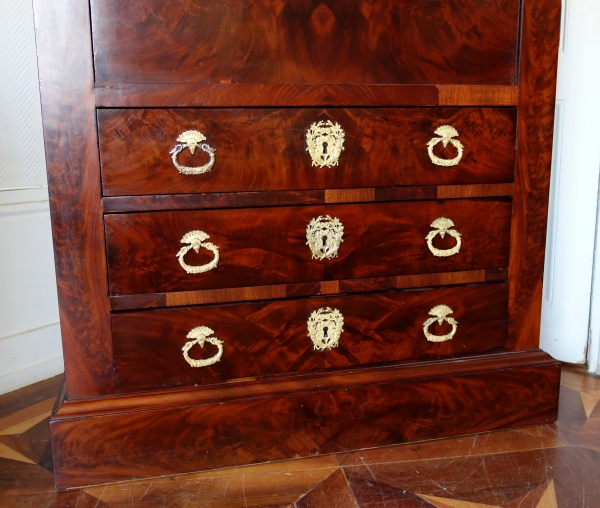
(195, 239)
(447, 133)
(442, 227)
(440, 314)
(201, 334)
(192, 140)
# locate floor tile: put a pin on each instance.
(371, 493)
(480, 444)
(9, 451)
(86, 501)
(272, 489)
(20, 477)
(46, 459)
(31, 443)
(578, 379)
(41, 500)
(23, 420)
(548, 500)
(487, 479)
(530, 499)
(444, 502)
(12, 402)
(590, 401)
(571, 414)
(333, 492)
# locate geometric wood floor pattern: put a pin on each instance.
(548, 466)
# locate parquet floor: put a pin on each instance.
(547, 466)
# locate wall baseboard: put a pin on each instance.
(30, 342)
(29, 357)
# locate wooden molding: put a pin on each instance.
(541, 30)
(126, 95)
(69, 122)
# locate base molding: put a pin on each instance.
(116, 438)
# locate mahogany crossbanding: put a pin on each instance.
(177, 299)
(128, 95)
(307, 197)
(473, 95)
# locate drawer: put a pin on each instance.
(310, 41)
(264, 339)
(191, 250)
(266, 149)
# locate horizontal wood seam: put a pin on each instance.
(211, 296)
(118, 204)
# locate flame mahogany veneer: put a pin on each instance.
(119, 81)
(264, 149)
(260, 246)
(264, 339)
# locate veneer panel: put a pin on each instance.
(309, 41)
(266, 246)
(267, 339)
(265, 149)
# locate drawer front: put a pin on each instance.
(256, 340)
(155, 252)
(310, 41)
(266, 149)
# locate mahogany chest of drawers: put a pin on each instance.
(285, 228)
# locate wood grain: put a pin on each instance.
(539, 48)
(253, 69)
(282, 385)
(312, 41)
(349, 195)
(127, 95)
(269, 292)
(452, 95)
(306, 197)
(474, 191)
(262, 340)
(265, 149)
(68, 117)
(181, 439)
(264, 246)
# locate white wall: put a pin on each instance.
(30, 347)
(574, 187)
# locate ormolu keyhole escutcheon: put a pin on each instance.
(324, 143)
(324, 236)
(325, 326)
